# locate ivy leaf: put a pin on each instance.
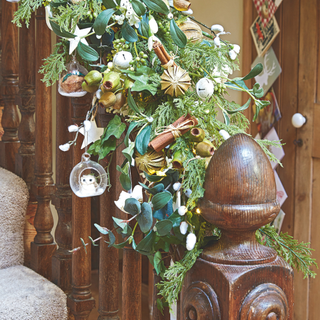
(132, 103)
(138, 7)
(102, 21)
(128, 32)
(60, 31)
(157, 259)
(119, 222)
(142, 140)
(145, 218)
(131, 127)
(164, 227)
(157, 6)
(109, 3)
(242, 108)
(107, 147)
(115, 128)
(146, 244)
(128, 152)
(87, 53)
(139, 86)
(254, 72)
(178, 37)
(161, 199)
(132, 206)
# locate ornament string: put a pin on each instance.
(175, 131)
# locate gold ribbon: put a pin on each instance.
(176, 131)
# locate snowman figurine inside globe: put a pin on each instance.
(88, 178)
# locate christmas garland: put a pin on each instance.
(152, 66)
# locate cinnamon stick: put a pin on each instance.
(158, 51)
(164, 139)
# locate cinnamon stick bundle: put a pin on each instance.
(166, 138)
(161, 52)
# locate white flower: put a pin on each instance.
(98, 36)
(64, 147)
(132, 17)
(136, 193)
(170, 16)
(191, 241)
(151, 40)
(225, 71)
(217, 28)
(48, 16)
(224, 134)
(119, 19)
(124, 3)
(183, 227)
(236, 48)
(73, 128)
(153, 25)
(188, 192)
(176, 186)
(188, 12)
(216, 41)
(87, 125)
(182, 210)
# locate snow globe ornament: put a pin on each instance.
(70, 81)
(88, 178)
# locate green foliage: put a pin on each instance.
(266, 144)
(23, 14)
(54, 65)
(298, 255)
(173, 277)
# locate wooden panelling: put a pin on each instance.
(316, 132)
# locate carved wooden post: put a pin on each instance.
(109, 257)
(62, 199)
(27, 70)
(43, 246)
(80, 301)
(131, 274)
(9, 88)
(237, 278)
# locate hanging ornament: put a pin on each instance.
(192, 31)
(70, 81)
(205, 88)
(175, 81)
(92, 134)
(88, 178)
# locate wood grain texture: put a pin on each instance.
(62, 198)
(236, 278)
(80, 300)
(43, 246)
(9, 87)
(109, 256)
(308, 46)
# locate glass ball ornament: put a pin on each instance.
(70, 80)
(88, 178)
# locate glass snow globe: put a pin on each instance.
(70, 80)
(88, 178)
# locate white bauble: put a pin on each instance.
(122, 59)
(205, 88)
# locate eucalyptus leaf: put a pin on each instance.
(164, 227)
(132, 206)
(161, 199)
(138, 7)
(122, 244)
(125, 181)
(128, 32)
(102, 21)
(84, 245)
(102, 230)
(131, 127)
(158, 188)
(87, 53)
(119, 222)
(178, 37)
(93, 243)
(60, 31)
(157, 6)
(112, 238)
(254, 72)
(142, 140)
(145, 218)
(165, 212)
(153, 178)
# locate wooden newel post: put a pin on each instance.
(237, 278)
